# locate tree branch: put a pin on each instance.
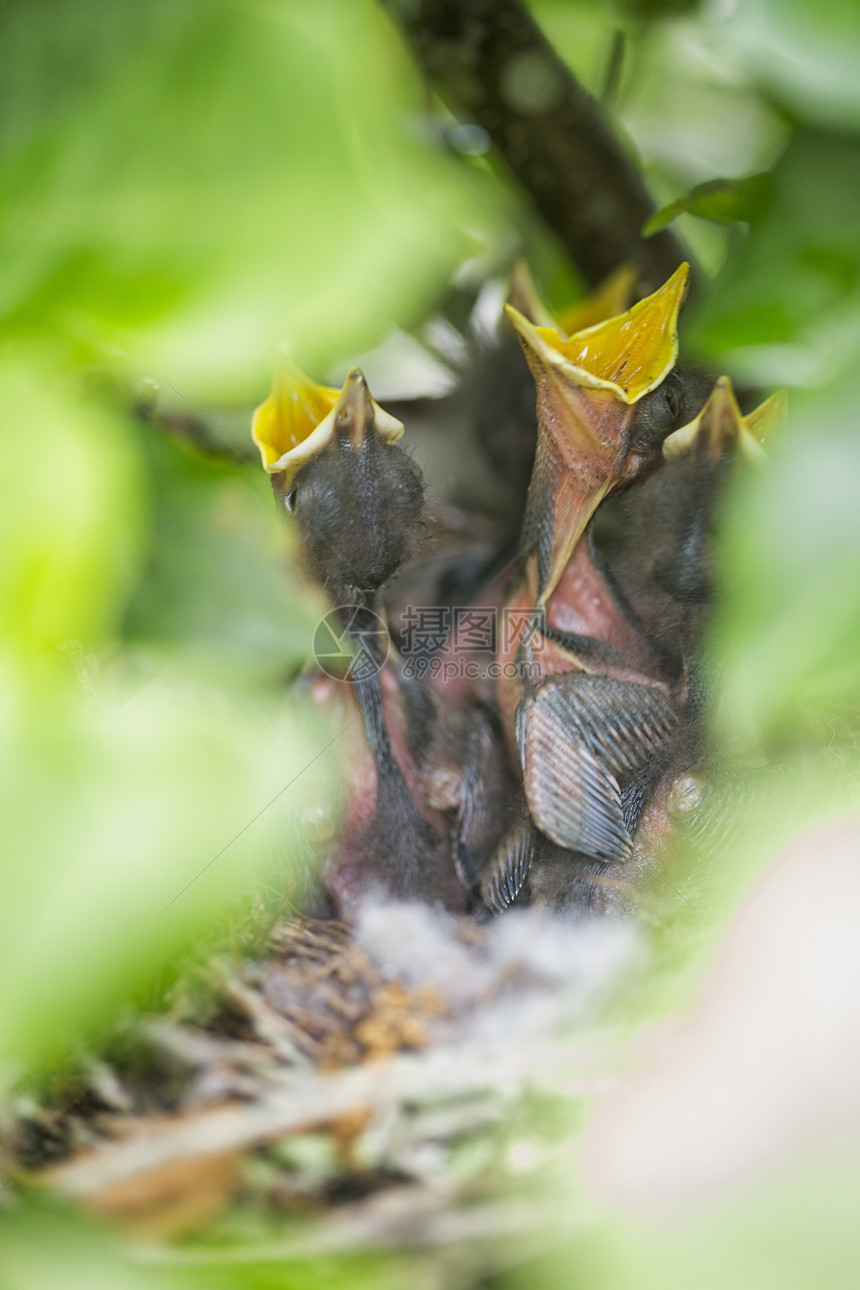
(489, 58)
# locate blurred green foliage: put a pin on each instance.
(43, 1247)
(804, 56)
(186, 185)
(71, 521)
(794, 1231)
(214, 529)
(189, 183)
(192, 182)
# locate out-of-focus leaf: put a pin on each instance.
(42, 1248)
(218, 592)
(806, 55)
(786, 308)
(116, 800)
(787, 640)
(196, 181)
(582, 34)
(71, 507)
(127, 825)
(783, 1233)
(724, 200)
(45, 1248)
(689, 114)
(652, 10)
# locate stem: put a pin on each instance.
(490, 59)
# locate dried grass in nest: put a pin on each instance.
(313, 1004)
(334, 1002)
(316, 1087)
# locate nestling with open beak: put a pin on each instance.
(666, 565)
(595, 702)
(421, 782)
(600, 697)
(498, 393)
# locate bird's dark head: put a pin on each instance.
(357, 496)
(717, 430)
(673, 404)
(698, 456)
(659, 541)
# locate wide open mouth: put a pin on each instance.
(627, 355)
(610, 298)
(300, 417)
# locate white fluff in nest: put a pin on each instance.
(528, 971)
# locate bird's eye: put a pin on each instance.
(671, 402)
(668, 402)
(661, 411)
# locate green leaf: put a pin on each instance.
(194, 182)
(129, 821)
(133, 810)
(71, 512)
(218, 595)
(786, 307)
(724, 200)
(787, 638)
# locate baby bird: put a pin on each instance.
(580, 695)
(418, 787)
(612, 729)
(498, 391)
(667, 569)
(358, 497)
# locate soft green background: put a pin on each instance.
(188, 184)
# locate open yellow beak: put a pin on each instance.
(300, 417)
(628, 355)
(610, 298)
(765, 420)
(720, 424)
(587, 388)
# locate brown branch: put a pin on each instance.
(490, 59)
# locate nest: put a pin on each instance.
(329, 998)
(327, 1080)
